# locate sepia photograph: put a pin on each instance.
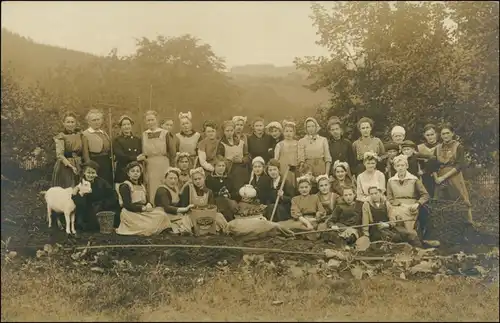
(250, 161)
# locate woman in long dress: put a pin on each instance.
(425, 165)
(138, 217)
(313, 149)
(450, 183)
(234, 150)
(187, 138)
(159, 153)
(286, 152)
(207, 147)
(127, 148)
(70, 152)
(366, 143)
(405, 194)
(168, 197)
(99, 145)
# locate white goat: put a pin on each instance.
(59, 200)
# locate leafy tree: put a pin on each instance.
(402, 64)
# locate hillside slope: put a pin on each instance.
(267, 90)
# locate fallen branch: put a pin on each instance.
(254, 249)
(351, 227)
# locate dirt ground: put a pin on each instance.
(175, 284)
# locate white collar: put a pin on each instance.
(91, 130)
(408, 175)
(157, 129)
(276, 182)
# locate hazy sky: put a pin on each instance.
(241, 32)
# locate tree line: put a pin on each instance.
(396, 63)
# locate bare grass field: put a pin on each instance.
(43, 290)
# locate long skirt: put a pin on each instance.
(429, 183)
(227, 207)
(318, 166)
(105, 168)
(86, 217)
(453, 188)
(239, 175)
(296, 226)
(143, 223)
(282, 212)
(180, 223)
(156, 168)
(403, 212)
(63, 176)
(341, 236)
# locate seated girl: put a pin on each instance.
(369, 177)
(282, 212)
(167, 197)
(375, 210)
(137, 216)
(342, 177)
(260, 180)
(406, 194)
(306, 171)
(196, 195)
(183, 163)
(101, 198)
(225, 194)
(306, 209)
(325, 194)
(347, 213)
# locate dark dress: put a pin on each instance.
(341, 150)
(70, 150)
(284, 204)
(126, 150)
(237, 172)
(263, 186)
(102, 198)
(274, 142)
(260, 146)
(220, 186)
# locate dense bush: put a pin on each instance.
(405, 63)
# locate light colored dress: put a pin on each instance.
(314, 151)
(189, 144)
(365, 181)
(287, 153)
(401, 194)
(154, 146)
(141, 223)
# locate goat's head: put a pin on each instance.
(85, 186)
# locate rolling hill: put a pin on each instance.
(267, 90)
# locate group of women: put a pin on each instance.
(160, 176)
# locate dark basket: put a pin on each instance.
(106, 219)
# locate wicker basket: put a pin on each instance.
(106, 219)
(204, 220)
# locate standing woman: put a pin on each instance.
(366, 143)
(187, 138)
(99, 145)
(127, 148)
(207, 147)
(425, 165)
(70, 151)
(239, 127)
(313, 149)
(234, 150)
(450, 163)
(159, 153)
